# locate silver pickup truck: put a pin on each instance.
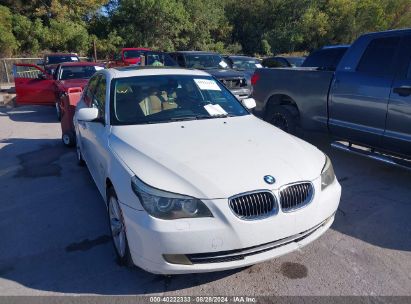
(366, 101)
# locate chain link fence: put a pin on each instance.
(6, 67)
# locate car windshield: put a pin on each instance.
(167, 98)
(77, 72)
(60, 59)
(133, 54)
(245, 63)
(296, 61)
(160, 59)
(205, 61)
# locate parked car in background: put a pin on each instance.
(244, 64)
(50, 61)
(214, 64)
(155, 58)
(282, 62)
(70, 79)
(170, 152)
(34, 86)
(366, 101)
(326, 58)
(127, 56)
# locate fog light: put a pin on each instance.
(177, 259)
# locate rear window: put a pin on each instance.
(60, 59)
(77, 72)
(325, 59)
(378, 58)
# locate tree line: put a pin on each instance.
(254, 27)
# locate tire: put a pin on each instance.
(58, 111)
(69, 139)
(284, 117)
(118, 229)
(80, 160)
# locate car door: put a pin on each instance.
(397, 135)
(33, 85)
(359, 98)
(96, 136)
(82, 126)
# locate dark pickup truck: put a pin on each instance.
(215, 65)
(366, 101)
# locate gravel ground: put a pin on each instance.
(55, 239)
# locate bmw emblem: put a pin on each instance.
(269, 179)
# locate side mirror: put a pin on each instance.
(249, 103)
(87, 114)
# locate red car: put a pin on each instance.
(128, 56)
(63, 89)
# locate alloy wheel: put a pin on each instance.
(117, 227)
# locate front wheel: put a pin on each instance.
(118, 229)
(68, 139)
(283, 117)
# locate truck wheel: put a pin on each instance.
(68, 139)
(118, 229)
(283, 117)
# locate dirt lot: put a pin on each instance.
(55, 239)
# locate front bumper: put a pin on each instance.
(225, 241)
(241, 93)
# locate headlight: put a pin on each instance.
(327, 174)
(166, 205)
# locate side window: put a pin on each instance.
(180, 60)
(26, 71)
(91, 87)
(378, 58)
(99, 99)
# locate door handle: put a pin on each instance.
(403, 90)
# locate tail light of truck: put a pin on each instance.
(255, 78)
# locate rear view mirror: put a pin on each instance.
(87, 114)
(249, 103)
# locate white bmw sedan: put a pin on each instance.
(192, 181)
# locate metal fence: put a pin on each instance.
(6, 67)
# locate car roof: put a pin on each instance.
(240, 56)
(60, 54)
(196, 52)
(81, 63)
(136, 49)
(151, 71)
(336, 46)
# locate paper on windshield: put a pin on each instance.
(258, 65)
(223, 64)
(207, 84)
(74, 58)
(98, 68)
(215, 109)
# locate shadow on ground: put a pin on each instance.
(44, 114)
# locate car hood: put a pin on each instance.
(215, 158)
(225, 73)
(71, 83)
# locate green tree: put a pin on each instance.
(8, 43)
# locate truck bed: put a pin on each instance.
(307, 87)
